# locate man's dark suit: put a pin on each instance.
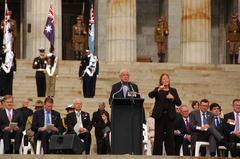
(117, 91)
(179, 139)
(7, 136)
(38, 121)
(228, 129)
(26, 112)
(185, 131)
(72, 121)
(211, 135)
(178, 136)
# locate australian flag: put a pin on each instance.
(49, 30)
(91, 37)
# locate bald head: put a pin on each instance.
(184, 111)
(25, 102)
(124, 75)
(77, 104)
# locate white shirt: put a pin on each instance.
(79, 118)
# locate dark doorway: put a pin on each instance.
(14, 6)
(70, 10)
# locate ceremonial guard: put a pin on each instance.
(39, 63)
(88, 72)
(79, 37)
(233, 38)
(51, 73)
(8, 67)
(161, 37)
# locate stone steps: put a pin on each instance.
(218, 83)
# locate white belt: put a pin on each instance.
(40, 69)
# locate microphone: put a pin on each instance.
(116, 93)
(131, 87)
(132, 91)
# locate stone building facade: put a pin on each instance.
(125, 28)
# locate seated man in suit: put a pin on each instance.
(231, 126)
(185, 129)
(78, 122)
(178, 136)
(11, 124)
(201, 124)
(217, 122)
(45, 123)
(124, 88)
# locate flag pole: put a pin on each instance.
(83, 8)
(4, 23)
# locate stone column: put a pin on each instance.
(121, 31)
(174, 38)
(196, 31)
(36, 17)
(101, 29)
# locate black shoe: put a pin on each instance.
(16, 152)
(212, 154)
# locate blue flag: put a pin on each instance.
(91, 36)
(49, 30)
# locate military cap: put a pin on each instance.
(70, 106)
(41, 49)
(80, 17)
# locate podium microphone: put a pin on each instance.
(113, 96)
(133, 92)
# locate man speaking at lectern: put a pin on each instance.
(124, 88)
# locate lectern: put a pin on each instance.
(126, 128)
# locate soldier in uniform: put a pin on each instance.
(233, 38)
(39, 63)
(8, 67)
(161, 36)
(13, 30)
(88, 72)
(79, 37)
(51, 73)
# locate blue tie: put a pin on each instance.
(205, 121)
(217, 123)
(48, 118)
